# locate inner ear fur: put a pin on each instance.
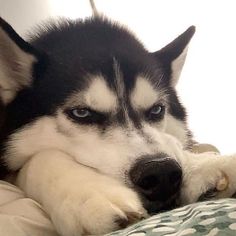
(173, 55)
(17, 58)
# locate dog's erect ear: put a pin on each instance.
(172, 56)
(17, 58)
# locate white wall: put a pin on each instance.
(208, 82)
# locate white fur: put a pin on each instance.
(78, 199)
(99, 96)
(203, 171)
(53, 153)
(113, 154)
(15, 68)
(81, 200)
(77, 173)
(84, 200)
(144, 95)
(176, 128)
(80, 175)
(32, 139)
(115, 151)
(177, 66)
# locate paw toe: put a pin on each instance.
(122, 222)
(131, 218)
(222, 183)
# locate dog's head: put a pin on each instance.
(91, 89)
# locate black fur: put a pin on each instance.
(67, 52)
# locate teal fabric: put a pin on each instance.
(205, 218)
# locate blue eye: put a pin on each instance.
(80, 113)
(155, 113)
(86, 116)
(156, 110)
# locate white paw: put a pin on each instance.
(207, 176)
(204, 182)
(98, 213)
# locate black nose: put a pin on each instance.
(157, 177)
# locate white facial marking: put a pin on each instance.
(177, 129)
(143, 95)
(99, 96)
(112, 153)
(31, 139)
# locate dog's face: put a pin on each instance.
(93, 91)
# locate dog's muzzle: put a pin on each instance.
(158, 180)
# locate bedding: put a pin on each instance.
(204, 218)
(21, 216)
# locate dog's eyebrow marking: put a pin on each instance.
(99, 96)
(143, 95)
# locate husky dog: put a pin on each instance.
(93, 127)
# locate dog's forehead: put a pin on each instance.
(114, 57)
(103, 95)
(97, 95)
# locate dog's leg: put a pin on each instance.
(78, 199)
(207, 176)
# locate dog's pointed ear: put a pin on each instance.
(172, 56)
(17, 58)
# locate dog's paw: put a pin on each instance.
(103, 214)
(209, 178)
(99, 213)
(220, 188)
(204, 183)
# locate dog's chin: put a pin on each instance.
(154, 207)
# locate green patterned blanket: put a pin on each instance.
(205, 218)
